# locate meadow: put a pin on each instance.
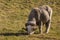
(14, 15)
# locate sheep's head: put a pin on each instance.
(30, 27)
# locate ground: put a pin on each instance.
(14, 15)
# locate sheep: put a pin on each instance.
(39, 16)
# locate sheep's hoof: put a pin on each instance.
(46, 32)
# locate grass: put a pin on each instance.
(14, 14)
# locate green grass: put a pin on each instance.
(14, 14)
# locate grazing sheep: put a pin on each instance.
(39, 16)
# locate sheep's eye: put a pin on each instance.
(32, 24)
(29, 24)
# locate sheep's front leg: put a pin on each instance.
(48, 26)
(40, 27)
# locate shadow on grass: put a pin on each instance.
(19, 33)
(13, 34)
